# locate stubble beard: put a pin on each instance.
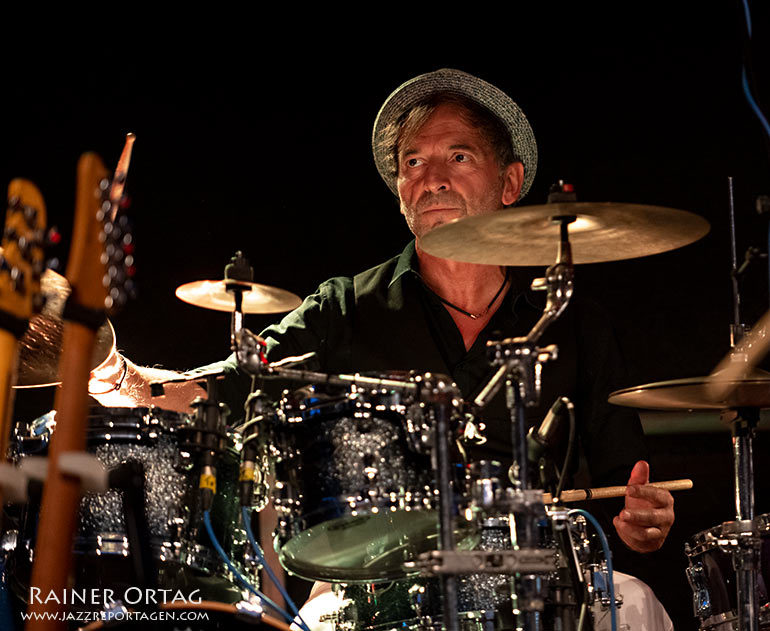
(420, 224)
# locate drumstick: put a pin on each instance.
(741, 360)
(119, 180)
(576, 495)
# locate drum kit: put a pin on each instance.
(367, 473)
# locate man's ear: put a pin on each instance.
(513, 178)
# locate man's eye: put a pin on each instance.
(461, 157)
(413, 162)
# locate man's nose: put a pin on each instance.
(436, 178)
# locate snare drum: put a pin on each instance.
(711, 572)
(354, 493)
(179, 543)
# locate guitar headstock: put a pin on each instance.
(22, 259)
(100, 265)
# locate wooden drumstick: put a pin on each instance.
(577, 495)
(121, 172)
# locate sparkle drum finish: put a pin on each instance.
(354, 490)
(183, 555)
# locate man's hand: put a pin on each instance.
(645, 520)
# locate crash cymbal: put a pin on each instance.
(213, 294)
(526, 235)
(696, 393)
(40, 346)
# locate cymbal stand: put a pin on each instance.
(742, 423)
(237, 273)
(519, 361)
(746, 554)
(440, 395)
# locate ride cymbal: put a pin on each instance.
(603, 231)
(41, 345)
(214, 294)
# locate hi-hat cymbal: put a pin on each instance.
(41, 345)
(696, 393)
(213, 294)
(526, 235)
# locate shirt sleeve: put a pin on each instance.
(318, 325)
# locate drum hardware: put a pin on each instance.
(208, 438)
(439, 562)
(440, 395)
(258, 405)
(520, 361)
(739, 390)
(740, 408)
(716, 558)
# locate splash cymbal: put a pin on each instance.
(41, 345)
(214, 294)
(525, 235)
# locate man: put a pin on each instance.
(450, 145)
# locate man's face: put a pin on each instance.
(448, 170)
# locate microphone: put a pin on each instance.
(544, 437)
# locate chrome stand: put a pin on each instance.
(519, 361)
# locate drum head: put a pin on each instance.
(367, 548)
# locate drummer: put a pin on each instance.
(450, 145)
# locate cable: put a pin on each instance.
(752, 102)
(745, 84)
(744, 73)
(608, 557)
(261, 556)
(570, 449)
(236, 572)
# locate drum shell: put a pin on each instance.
(180, 546)
(349, 472)
(712, 555)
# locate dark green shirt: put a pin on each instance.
(385, 319)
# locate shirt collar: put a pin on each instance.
(407, 262)
(521, 277)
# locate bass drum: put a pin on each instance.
(711, 556)
(354, 490)
(184, 557)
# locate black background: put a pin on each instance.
(259, 139)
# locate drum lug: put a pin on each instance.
(701, 599)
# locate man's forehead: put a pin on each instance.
(447, 126)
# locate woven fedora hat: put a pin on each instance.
(463, 84)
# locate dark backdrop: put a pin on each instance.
(258, 139)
